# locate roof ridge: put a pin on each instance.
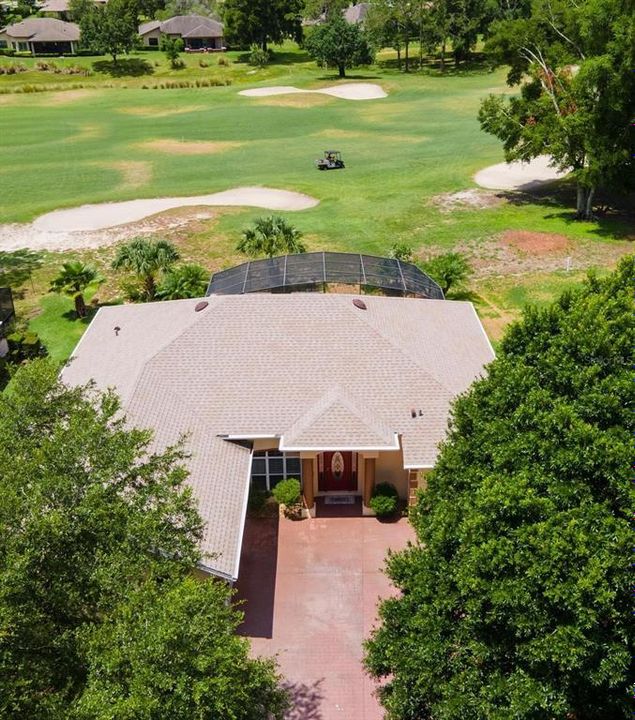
(365, 318)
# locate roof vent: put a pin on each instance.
(200, 306)
(413, 413)
(117, 329)
(359, 304)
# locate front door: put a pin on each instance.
(337, 472)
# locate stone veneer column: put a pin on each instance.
(307, 481)
(369, 479)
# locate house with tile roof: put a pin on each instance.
(197, 32)
(338, 393)
(41, 35)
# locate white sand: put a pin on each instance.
(78, 227)
(518, 175)
(348, 91)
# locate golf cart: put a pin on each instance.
(332, 160)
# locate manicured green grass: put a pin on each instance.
(403, 153)
(58, 327)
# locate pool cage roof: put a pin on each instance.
(313, 271)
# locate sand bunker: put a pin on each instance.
(105, 215)
(185, 147)
(518, 175)
(81, 227)
(348, 91)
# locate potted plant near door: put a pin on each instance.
(288, 495)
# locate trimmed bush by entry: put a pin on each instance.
(287, 492)
(384, 499)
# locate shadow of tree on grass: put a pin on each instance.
(126, 67)
(16, 267)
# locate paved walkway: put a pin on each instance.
(311, 590)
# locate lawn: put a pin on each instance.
(405, 155)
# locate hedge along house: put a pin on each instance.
(338, 392)
(196, 31)
(41, 36)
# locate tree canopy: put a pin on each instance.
(184, 281)
(262, 21)
(146, 258)
(73, 279)
(108, 28)
(574, 64)
(516, 598)
(98, 539)
(339, 44)
(271, 236)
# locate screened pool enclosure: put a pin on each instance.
(317, 270)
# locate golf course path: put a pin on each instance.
(79, 227)
(518, 175)
(348, 91)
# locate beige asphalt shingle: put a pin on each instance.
(310, 367)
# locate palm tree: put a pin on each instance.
(73, 279)
(185, 281)
(145, 258)
(271, 236)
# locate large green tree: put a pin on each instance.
(516, 597)
(262, 21)
(339, 44)
(574, 63)
(99, 616)
(146, 258)
(108, 28)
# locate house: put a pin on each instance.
(196, 31)
(356, 14)
(339, 392)
(60, 9)
(41, 35)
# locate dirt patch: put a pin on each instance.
(467, 199)
(65, 97)
(90, 131)
(157, 111)
(303, 100)
(8, 99)
(134, 173)
(188, 147)
(536, 242)
(337, 133)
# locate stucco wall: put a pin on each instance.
(389, 468)
(151, 34)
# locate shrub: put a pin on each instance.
(24, 345)
(222, 60)
(202, 63)
(384, 499)
(257, 499)
(258, 56)
(287, 492)
(383, 505)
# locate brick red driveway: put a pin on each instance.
(310, 589)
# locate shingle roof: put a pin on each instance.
(356, 13)
(309, 367)
(43, 29)
(193, 26)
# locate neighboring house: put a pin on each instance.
(356, 14)
(41, 36)
(61, 8)
(196, 31)
(317, 386)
